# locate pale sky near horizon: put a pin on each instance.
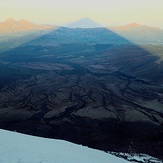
(105, 12)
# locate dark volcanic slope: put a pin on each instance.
(79, 86)
(110, 112)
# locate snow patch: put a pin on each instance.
(20, 148)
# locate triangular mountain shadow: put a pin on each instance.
(83, 23)
(82, 31)
(75, 40)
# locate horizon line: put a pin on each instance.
(71, 22)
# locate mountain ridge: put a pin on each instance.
(22, 25)
(13, 26)
(132, 26)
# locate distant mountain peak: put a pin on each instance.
(86, 19)
(84, 23)
(23, 20)
(25, 23)
(13, 26)
(126, 27)
(10, 20)
(133, 25)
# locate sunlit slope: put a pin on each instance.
(15, 33)
(140, 34)
(13, 26)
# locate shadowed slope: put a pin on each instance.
(127, 56)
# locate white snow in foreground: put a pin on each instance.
(20, 148)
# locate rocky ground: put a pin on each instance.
(109, 112)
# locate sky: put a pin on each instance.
(105, 12)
